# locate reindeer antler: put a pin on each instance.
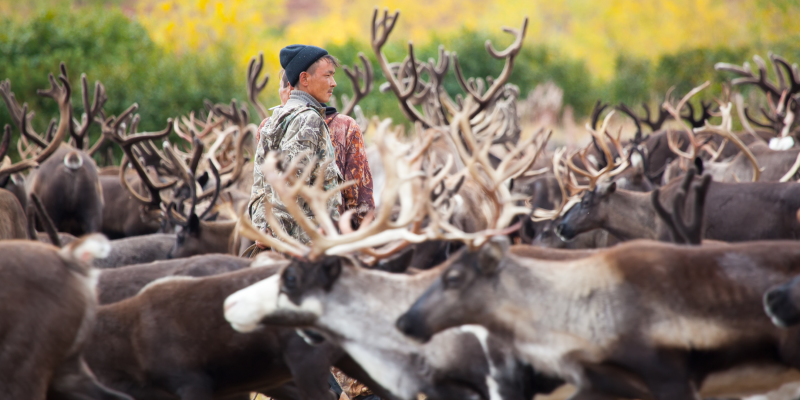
(483, 99)
(254, 88)
(111, 127)
(357, 74)
(78, 130)
(379, 228)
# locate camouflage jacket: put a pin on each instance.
(351, 158)
(296, 127)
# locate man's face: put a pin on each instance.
(319, 83)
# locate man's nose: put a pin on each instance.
(333, 82)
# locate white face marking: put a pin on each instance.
(636, 160)
(310, 305)
(245, 308)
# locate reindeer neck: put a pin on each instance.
(631, 216)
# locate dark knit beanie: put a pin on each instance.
(297, 58)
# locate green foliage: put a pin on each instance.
(535, 64)
(631, 83)
(109, 47)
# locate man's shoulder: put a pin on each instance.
(305, 115)
(345, 122)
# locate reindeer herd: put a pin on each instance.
(495, 266)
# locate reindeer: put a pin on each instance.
(569, 319)
(67, 181)
(601, 205)
(121, 283)
(207, 359)
(48, 307)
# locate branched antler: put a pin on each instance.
(112, 130)
(78, 130)
(356, 75)
(483, 99)
(254, 87)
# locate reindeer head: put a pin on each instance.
(588, 214)
(460, 295)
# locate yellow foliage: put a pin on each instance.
(595, 31)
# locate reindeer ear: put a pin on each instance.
(194, 224)
(331, 268)
(605, 189)
(491, 253)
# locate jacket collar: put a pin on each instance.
(299, 98)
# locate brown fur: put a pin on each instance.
(172, 340)
(13, 223)
(73, 197)
(124, 216)
(664, 315)
(734, 212)
(121, 283)
(47, 307)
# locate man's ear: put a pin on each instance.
(491, 253)
(605, 189)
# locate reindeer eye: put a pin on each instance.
(289, 282)
(453, 277)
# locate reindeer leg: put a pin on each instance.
(312, 371)
(664, 372)
(74, 381)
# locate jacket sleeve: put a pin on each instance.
(358, 196)
(257, 192)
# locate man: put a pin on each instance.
(316, 81)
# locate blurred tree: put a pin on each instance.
(108, 46)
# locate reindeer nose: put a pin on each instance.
(403, 324)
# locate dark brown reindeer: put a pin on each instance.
(48, 307)
(207, 359)
(680, 231)
(23, 120)
(698, 312)
(67, 182)
(142, 212)
(118, 284)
